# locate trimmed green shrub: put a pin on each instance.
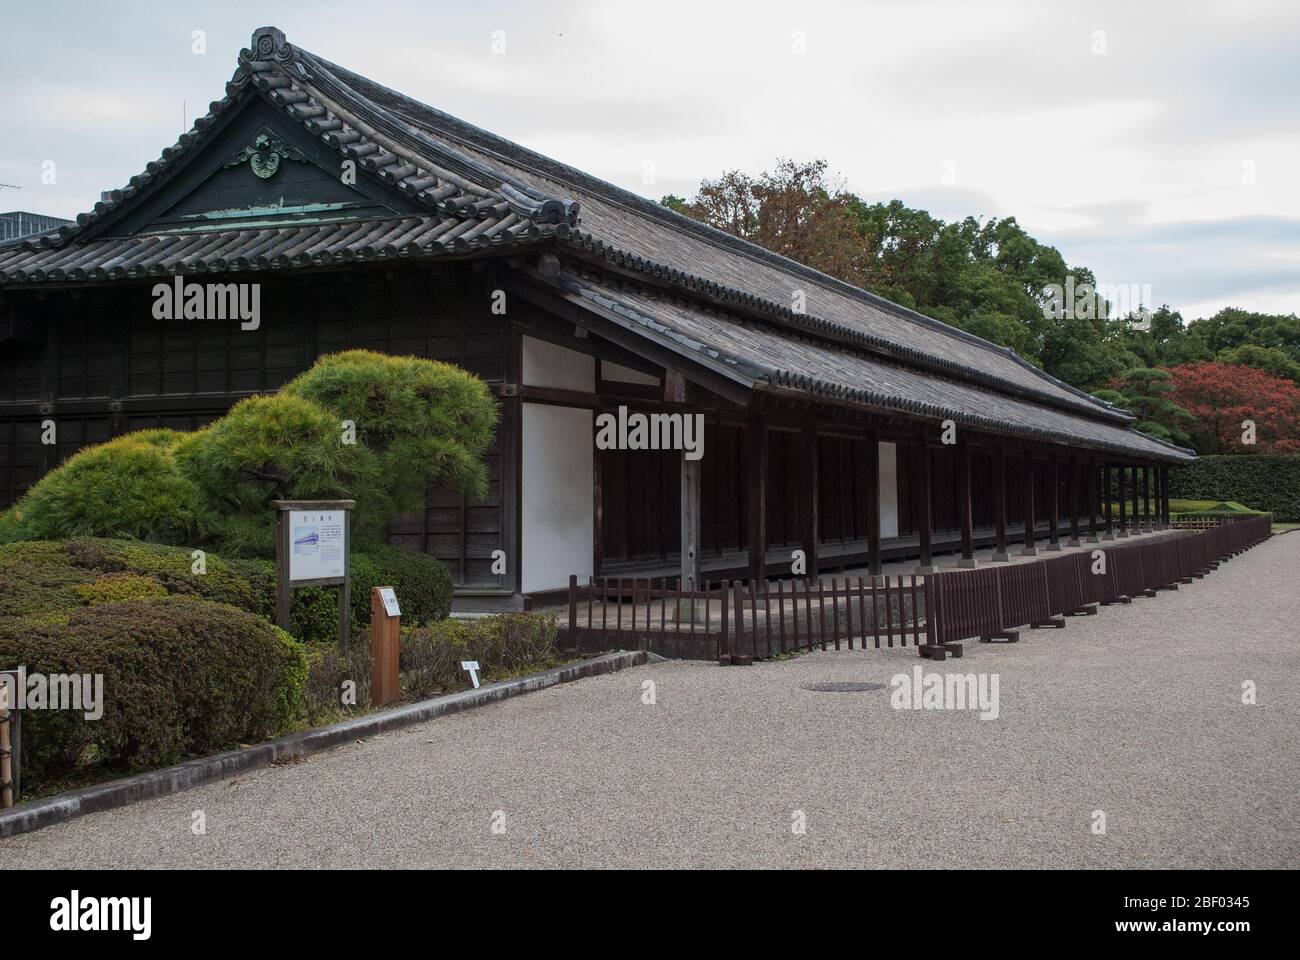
(423, 584)
(127, 487)
(182, 677)
(503, 645)
(119, 587)
(40, 579)
(51, 579)
(1260, 481)
(173, 567)
(277, 447)
(429, 423)
(327, 672)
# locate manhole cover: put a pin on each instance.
(843, 687)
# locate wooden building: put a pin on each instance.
(371, 220)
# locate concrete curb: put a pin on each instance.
(26, 817)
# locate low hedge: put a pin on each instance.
(503, 645)
(1260, 481)
(50, 580)
(181, 677)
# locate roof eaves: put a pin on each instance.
(838, 333)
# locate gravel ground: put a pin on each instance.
(1135, 712)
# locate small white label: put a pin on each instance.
(472, 667)
(389, 596)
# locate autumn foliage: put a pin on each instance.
(1221, 396)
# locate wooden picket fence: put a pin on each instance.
(739, 621)
(989, 604)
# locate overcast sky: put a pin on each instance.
(1156, 142)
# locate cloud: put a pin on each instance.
(1142, 142)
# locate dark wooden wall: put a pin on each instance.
(105, 366)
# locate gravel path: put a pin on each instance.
(1135, 712)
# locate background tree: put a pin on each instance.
(1146, 393)
(1220, 397)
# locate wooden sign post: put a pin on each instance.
(385, 643)
(313, 549)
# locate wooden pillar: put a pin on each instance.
(1076, 497)
(690, 568)
(1123, 502)
(1136, 523)
(756, 501)
(1054, 503)
(1027, 497)
(925, 521)
(873, 502)
(811, 521)
(965, 506)
(1000, 505)
(1092, 473)
(1164, 496)
(1146, 497)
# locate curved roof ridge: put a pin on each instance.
(612, 193)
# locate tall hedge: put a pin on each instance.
(181, 677)
(1260, 481)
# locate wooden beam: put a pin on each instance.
(690, 515)
(965, 508)
(926, 518)
(1123, 502)
(1027, 498)
(808, 496)
(873, 502)
(1093, 474)
(1000, 505)
(1054, 503)
(756, 500)
(1146, 498)
(1137, 523)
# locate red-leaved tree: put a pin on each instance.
(1222, 396)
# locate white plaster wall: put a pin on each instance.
(888, 490)
(546, 365)
(557, 495)
(612, 371)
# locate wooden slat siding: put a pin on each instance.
(573, 611)
(889, 613)
(591, 593)
(753, 611)
(862, 614)
(794, 606)
(808, 620)
(875, 612)
(931, 611)
(727, 642)
(618, 612)
(835, 611)
(821, 613)
(740, 647)
(916, 616)
(780, 606)
(767, 614)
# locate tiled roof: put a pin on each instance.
(637, 234)
(761, 358)
(263, 248)
(483, 192)
(471, 205)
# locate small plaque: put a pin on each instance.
(389, 596)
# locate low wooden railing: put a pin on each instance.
(738, 621)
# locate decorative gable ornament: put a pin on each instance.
(264, 155)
